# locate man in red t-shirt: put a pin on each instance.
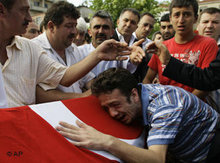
(185, 45)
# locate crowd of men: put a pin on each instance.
(57, 62)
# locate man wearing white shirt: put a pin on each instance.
(57, 42)
(3, 100)
(126, 25)
(145, 26)
(25, 65)
(101, 29)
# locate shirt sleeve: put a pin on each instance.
(165, 125)
(49, 72)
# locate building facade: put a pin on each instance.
(39, 7)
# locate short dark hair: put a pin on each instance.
(210, 10)
(8, 3)
(165, 18)
(185, 3)
(114, 78)
(147, 13)
(134, 11)
(104, 15)
(58, 11)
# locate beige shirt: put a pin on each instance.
(27, 66)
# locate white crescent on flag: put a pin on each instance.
(27, 133)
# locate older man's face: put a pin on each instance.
(100, 30)
(17, 18)
(127, 23)
(209, 25)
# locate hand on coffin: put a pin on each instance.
(84, 136)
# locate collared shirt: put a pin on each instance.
(3, 99)
(218, 42)
(86, 49)
(144, 43)
(121, 38)
(72, 56)
(28, 65)
(178, 119)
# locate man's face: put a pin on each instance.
(65, 33)
(167, 30)
(182, 19)
(80, 38)
(100, 30)
(32, 31)
(127, 23)
(17, 18)
(209, 25)
(118, 106)
(145, 26)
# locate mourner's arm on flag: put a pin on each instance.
(88, 137)
(108, 50)
(55, 95)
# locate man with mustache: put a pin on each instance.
(185, 45)
(25, 65)
(101, 29)
(57, 42)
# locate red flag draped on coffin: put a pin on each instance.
(27, 133)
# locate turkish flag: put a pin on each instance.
(27, 133)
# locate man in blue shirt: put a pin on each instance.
(178, 121)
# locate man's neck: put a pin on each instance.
(182, 39)
(3, 53)
(127, 38)
(94, 45)
(138, 36)
(56, 46)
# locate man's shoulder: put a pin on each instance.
(86, 47)
(25, 43)
(204, 39)
(40, 40)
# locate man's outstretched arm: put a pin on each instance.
(203, 79)
(87, 137)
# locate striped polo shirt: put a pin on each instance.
(179, 119)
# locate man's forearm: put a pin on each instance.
(202, 79)
(129, 153)
(80, 69)
(56, 95)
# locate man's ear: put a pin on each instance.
(50, 26)
(2, 9)
(134, 94)
(89, 32)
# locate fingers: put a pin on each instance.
(139, 42)
(120, 58)
(67, 125)
(72, 136)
